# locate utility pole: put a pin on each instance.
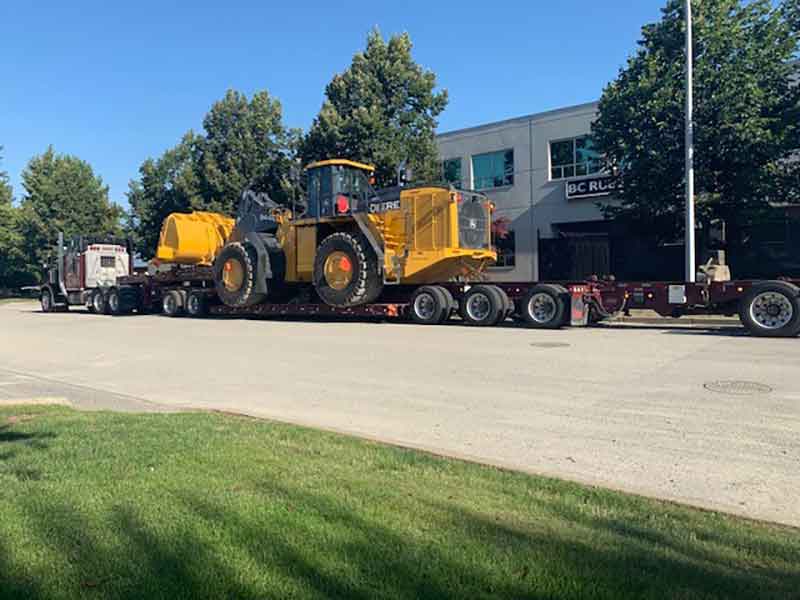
(689, 235)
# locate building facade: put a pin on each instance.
(547, 183)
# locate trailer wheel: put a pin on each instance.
(481, 306)
(772, 309)
(428, 306)
(544, 307)
(505, 302)
(346, 270)
(196, 305)
(98, 301)
(449, 302)
(47, 300)
(171, 304)
(235, 271)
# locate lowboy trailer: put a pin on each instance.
(766, 308)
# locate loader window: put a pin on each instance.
(352, 183)
(325, 192)
(313, 194)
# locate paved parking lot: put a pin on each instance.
(624, 406)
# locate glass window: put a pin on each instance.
(451, 171)
(313, 193)
(574, 158)
(492, 170)
(108, 262)
(505, 242)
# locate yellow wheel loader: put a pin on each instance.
(352, 242)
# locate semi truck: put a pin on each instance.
(416, 252)
(85, 269)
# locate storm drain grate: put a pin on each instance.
(742, 388)
(550, 345)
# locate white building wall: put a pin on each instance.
(533, 203)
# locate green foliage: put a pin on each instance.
(245, 145)
(169, 184)
(747, 115)
(62, 194)
(10, 239)
(381, 110)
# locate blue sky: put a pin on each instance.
(117, 82)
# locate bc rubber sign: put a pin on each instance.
(591, 187)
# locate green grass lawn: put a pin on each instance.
(100, 505)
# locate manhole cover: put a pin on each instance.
(550, 345)
(743, 388)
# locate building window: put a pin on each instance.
(451, 171)
(574, 158)
(493, 170)
(505, 242)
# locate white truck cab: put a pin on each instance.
(85, 272)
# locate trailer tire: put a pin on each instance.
(544, 307)
(450, 303)
(481, 306)
(235, 272)
(505, 302)
(428, 305)
(771, 309)
(171, 304)
(47, 301)
(346, 270)
(196, 305)
(98, 302)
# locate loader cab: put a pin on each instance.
(338, 187)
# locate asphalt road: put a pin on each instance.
(624, 407)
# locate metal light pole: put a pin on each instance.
(690, 243)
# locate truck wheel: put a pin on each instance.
(99, 304)
(235, 275)
(196, 305)
(346, 271)
(772, 309)
(171, 304)
(114, 302)
(481, 306)
(429, 306)
(47, 300)
(544, 307)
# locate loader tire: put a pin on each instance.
(235, 271)
(346, 271)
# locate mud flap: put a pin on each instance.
(579, 310)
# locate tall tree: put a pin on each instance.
(12, 272)
(383, 109)
(166, 185)
(62, 193)
(244, 145)
(747, 115)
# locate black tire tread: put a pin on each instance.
(367, 284)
